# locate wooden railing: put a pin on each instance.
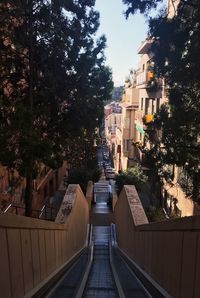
(168, 251)
(33, 250)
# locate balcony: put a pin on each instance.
(145, 46)
(147, 80)
(144, 77)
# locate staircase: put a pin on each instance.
(101, 212)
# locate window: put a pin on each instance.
(146, 105)
(124, 145)
(157, 104)
(127, 145)
(127, 122)
(153, 110)
(142, 102)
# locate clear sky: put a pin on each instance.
(123, 37)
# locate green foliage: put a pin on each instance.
(53, 82)
(132, 176)
(81, 176)
(117, 93)
(143, 6)
(176, 58)
(155, 214)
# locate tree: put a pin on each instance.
(117, 93)
(53, 81)
(143, 6)
(132, 176)
(176, 58)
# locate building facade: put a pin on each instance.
(12, 189)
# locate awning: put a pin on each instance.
(140, 129)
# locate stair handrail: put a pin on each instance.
(83, 283)
(112, 243)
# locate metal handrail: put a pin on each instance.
(114, 272)
(82, 286)
(39, 212)
(7, 208)
(165, 213)
(112, 243)
(44, 208)
(15, 206)
(114, 246)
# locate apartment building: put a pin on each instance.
(172, 8)
(112, 117)
(152, 90)
(12, 189)
(143, 95)
(130, 105)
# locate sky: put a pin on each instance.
(123, 37)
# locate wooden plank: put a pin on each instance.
(188, 264)
(57, 248)
(149, 252)
(42, 254)
(15, 257)
(27, 259)
(35, 256)
(53, 253)
(48, 245)
(5, 282)
(172, 274)
(197, 272)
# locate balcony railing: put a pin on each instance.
(144, 77)
(148, 79)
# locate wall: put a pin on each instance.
(185, 204)
(7, 193)
(45, 186)
(44, 189)
(168, 251)
(172, 8)
(89, 193)
(32, 249)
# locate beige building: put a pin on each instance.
(112, 114)
(126, 130)
(151, 90)
(12, 189)
(130, 105)
(172, 8)
(142, 97)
